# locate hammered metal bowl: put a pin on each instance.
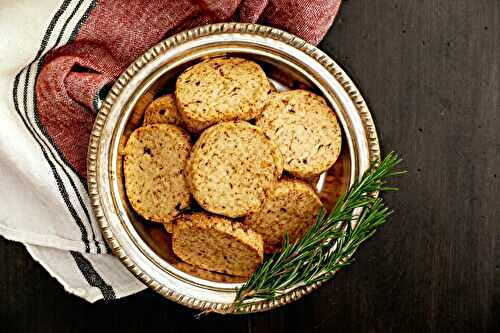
(290, 62)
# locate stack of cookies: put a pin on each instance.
(225, 163)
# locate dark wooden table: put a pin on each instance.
(429, 70)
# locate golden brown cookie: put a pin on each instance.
(162, 110)
(291, 208)
(154, 162)
(221, 89)
(206, 274)
(231, 167)
(162, 245)
(305, 129)
(217, 244)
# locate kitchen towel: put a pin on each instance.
(57, 59)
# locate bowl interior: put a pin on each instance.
(284, 77)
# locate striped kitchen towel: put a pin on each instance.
(56, 59)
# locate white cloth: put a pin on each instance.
(51, 217)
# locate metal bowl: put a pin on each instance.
(290, 62)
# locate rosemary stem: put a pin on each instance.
(330, 243)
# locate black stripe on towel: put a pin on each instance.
(93, 278)
(47, 153)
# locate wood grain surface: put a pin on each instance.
(429, 70)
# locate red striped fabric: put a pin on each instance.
(117, 32)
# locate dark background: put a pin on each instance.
(429, 70)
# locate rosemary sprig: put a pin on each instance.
(330, 243)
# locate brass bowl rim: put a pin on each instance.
(101, 138)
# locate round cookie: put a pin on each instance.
(217, 244)
(162, 110)
(155, 157)
(291, 208)
(231, 167)
(162, 245)
(220, 89)
(305, 129)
